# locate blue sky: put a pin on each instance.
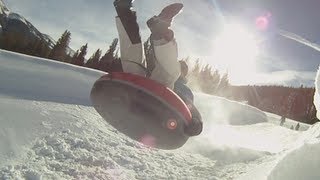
(284, 61)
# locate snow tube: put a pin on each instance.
(142, 109)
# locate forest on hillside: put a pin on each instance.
(291, 102)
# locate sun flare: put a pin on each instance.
(235, 50)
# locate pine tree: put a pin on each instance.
(208, 80)
(40, 48)
(196, 68)
(223, 85)
(75, 56)
(193, 76)
(58, 51)
(35, 46)
(9, 41)
(116, 65)
(93, 61)
(80, 58)
(105, 63)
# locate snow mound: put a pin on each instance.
(32, 78)
(301, 163)
(233, 144)
(222, 111)
(227, 134)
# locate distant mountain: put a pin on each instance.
(3, 8)
(14, 22)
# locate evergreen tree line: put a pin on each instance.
(60, 51)
(107, 62)
(207, 79)
(295, 103)
(291, 102)
(17, 42)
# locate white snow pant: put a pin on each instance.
(167, 68)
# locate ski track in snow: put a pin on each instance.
(50, 131)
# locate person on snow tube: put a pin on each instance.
(166, 69)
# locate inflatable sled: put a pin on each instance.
(142, 109)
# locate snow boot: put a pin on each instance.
(159, 25)
(125, 4)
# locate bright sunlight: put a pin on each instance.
(235, 50)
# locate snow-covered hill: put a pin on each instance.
(50, 131)
(14, 22)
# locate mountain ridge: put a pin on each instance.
(14, 22)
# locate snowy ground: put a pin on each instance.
(50, 131)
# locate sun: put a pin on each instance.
(235, 51)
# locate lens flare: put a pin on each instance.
(172, 124)
(148, 140)
(262, 22)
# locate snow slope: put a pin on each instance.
(50, 131)
(23, 77)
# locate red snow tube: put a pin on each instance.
(142, 109)
(155, 88)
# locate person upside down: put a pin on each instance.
(167, 69)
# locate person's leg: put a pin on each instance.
(131, 48)
(167, 67)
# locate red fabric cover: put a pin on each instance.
(155, 88)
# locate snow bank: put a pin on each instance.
(219, 110)
(233, 144)
(235, 132)
(300, 163)
(26, 77)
